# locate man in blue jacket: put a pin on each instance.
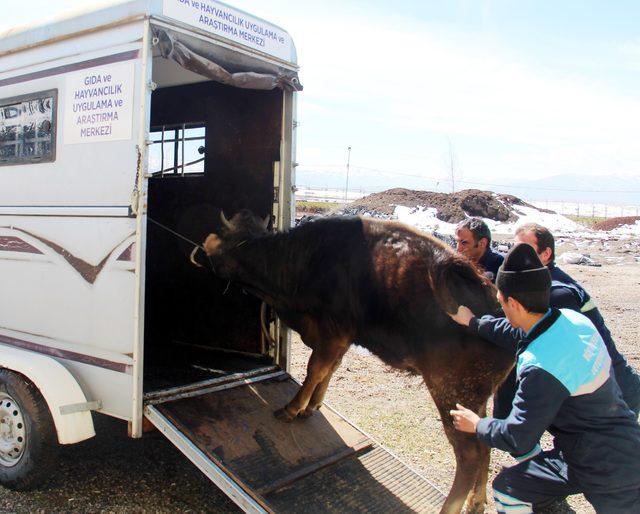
(566, 293)
(564, 385)
(473, 240)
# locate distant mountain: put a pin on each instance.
(609, 189)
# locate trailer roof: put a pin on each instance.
(209, 17)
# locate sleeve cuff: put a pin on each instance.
(529, 455)
(473, 325)
(483, 430)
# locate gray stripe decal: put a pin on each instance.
(108, 59)
(68, 355)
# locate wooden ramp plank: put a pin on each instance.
(321, 464)
(237, 428)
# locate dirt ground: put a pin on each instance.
(611, 223)
(112, 473)
(396, 408)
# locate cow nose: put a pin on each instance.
(211, 243)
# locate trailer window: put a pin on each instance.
(28, 128)
(177, 150)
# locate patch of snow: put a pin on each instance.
(627, 230)
(614, 260)
(571, 258)
(424, 219)
(584, 241)
(576, 258)
(556, 223)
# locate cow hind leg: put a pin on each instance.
(324, 359)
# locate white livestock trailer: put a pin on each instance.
(123, 131)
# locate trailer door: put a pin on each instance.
(321, 464)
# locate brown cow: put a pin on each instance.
(384, 286)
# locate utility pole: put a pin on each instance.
(346, 189)
(452, 169)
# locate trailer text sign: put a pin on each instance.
(232, 24)
(98, 104)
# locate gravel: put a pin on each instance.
(114, 473)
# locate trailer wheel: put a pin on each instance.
(28, 444)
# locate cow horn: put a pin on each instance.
(192, 257)
(265, 221)
(225, 221)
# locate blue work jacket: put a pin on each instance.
(565, 386)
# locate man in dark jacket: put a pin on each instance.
(564, 385)
(473, 240)
(566, 293)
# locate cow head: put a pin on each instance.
(243, 225)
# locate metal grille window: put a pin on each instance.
(177, 150)
(28, 128)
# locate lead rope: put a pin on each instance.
(263, 307)
(175, 234)
(195, 249)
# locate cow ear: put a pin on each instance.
(265, 221)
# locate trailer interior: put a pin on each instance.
(212, 150)
(212, 378)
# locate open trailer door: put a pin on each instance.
(321, 464)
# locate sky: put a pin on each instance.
(486, 91)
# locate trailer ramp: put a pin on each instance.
(323, 464)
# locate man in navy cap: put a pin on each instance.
(565, 386)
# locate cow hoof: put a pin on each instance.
(307, 413)
(476, 508)
(283, 415)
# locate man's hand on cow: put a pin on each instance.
(464, 420)
(463, 316)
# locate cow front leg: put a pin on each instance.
(477, 499)
(324, 359)
(321, 389)
(472, 457)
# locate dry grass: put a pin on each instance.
(396, 409)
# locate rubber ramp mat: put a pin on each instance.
(320, 464)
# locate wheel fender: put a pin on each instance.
(57, 386)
